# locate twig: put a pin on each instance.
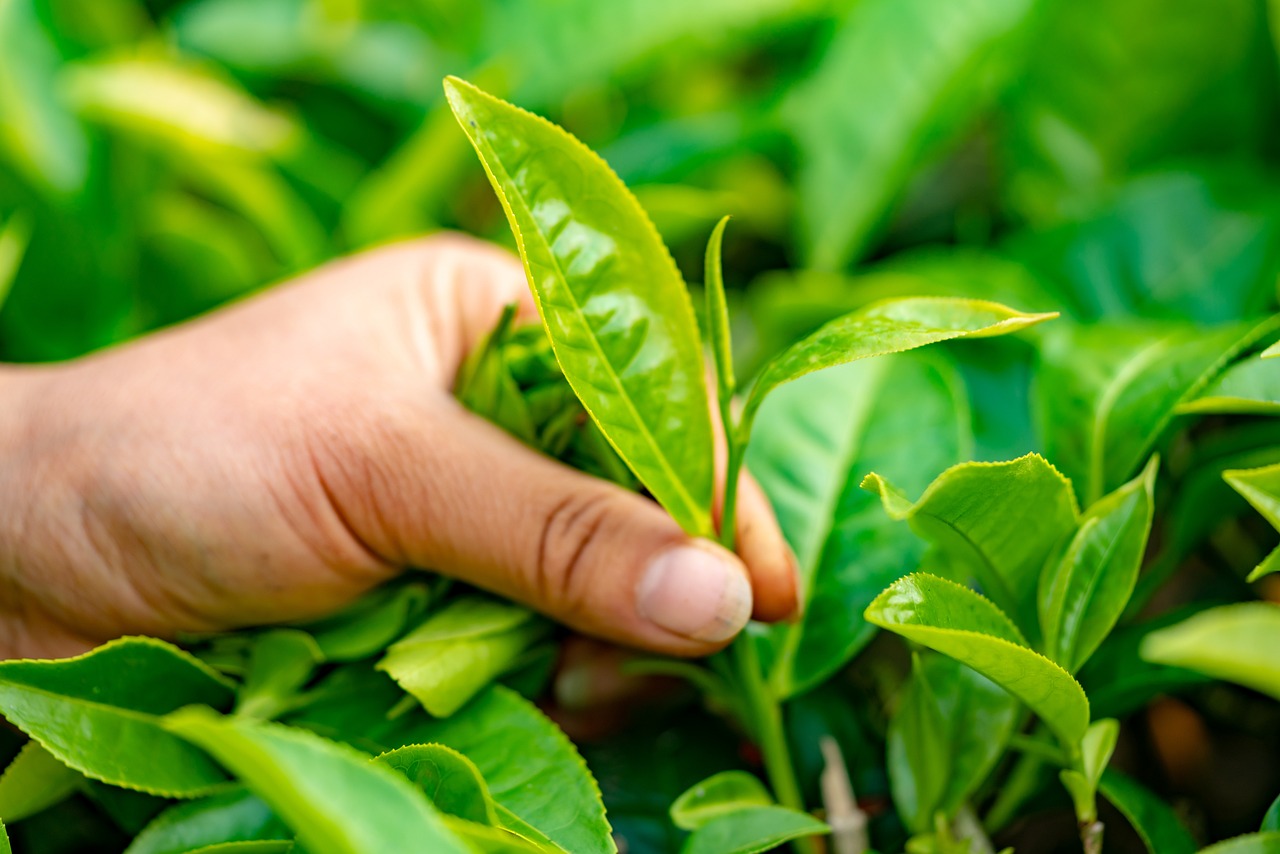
(848, 823)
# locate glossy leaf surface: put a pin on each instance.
(335, 798)
(1261, 488)
(752, 830)
(814, 441)
(1155, 822)
(1249, 387)
(1085, 592)
(460, 649)
(885, 327)
(377, 620)
(33, 781)
(1253, 843)
(99, 713)
(950, 729)
(613, 302)
(549, 788)
(998, 522)
(234, 816)
(1232, 642)
(955, 621)
(718, 795)
(898, 76)
(449, 780)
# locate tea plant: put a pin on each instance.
(403, 724)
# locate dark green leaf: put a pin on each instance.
(613, 301)
(752, 830)
(33, 781)
(450, 780)
(99, 713)
(372, 624)
(1271, 821)
(1155, 822)
(955, 621)
(235, 816)
(14, 236)
(1261, 488)
(335, 798)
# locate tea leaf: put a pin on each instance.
(373, 623)
(257, 846)
(1249, 387)
(1253, 843)
(1154, 821)
(33, 781)
(14, 237)
(718, 795)
(460, 649)
(1261, 488)
(1107, 393)
(815, 440)
(950, 729)
(752, 830)
(549, 788)
(999, 521)
(891, 326)
(1272, 352)
(1236, 643)
(954, 620)
(612, 299)
(900, 77)
(100, 713)
(1085, 592)
(235, 816)
(718, 316)
(450, 780)
(280, 663)
(1271, 821)
(338, 800)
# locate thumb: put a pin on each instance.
(462, 497)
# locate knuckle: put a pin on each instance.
(571, 530)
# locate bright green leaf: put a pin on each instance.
(335, 798)
(1151, 817)
(814, 441)
(899, 77)
(235, 816)
(1261, 488)
(955, 621)
(280, 663)
(1236, 643)
(1096, 747)
(752, 830)
(1253, 843)
(1249, 387)
(33, 781)
(1085, 592)
(257, 846)
(612, 299)
(372, 624)
(1272, 352)
(718, 315)
(548, 787)
(997, 521)
(99, 713)
(891, 326)
(460, 649)
(720, 794)
(14, 236)
(450, 780)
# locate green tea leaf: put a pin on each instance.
(100, 713)
(1249, 387)
(891, 326)
(900, 77)
(718, 795)
(1107, 393)
(612, 299)
(4, 840)
(234, 816)
(951, 727)
(486, 386)
(280, 663)
(1154, 821)
(955, 621)
(1236, 643)
(14, 237)
(1272, 352)
(752, 830)
(549, 787)
(263, 846)
(1271, 821)
(33, 781)
(335, 798)
(372, 624)
(718, 316)
(1261, 488)
(460, 649)
(450, 780)
(815, 440)
(1085, 592)
(998, 521)
(1253, 843)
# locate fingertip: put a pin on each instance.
(773, 568)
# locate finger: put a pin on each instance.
(433, 485)
(775, 577)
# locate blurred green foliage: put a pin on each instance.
(1117, 155)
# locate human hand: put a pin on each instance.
(271, 461)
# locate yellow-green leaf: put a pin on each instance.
(1261, 488)
(1236, 643)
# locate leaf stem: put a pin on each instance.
(765, 719)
